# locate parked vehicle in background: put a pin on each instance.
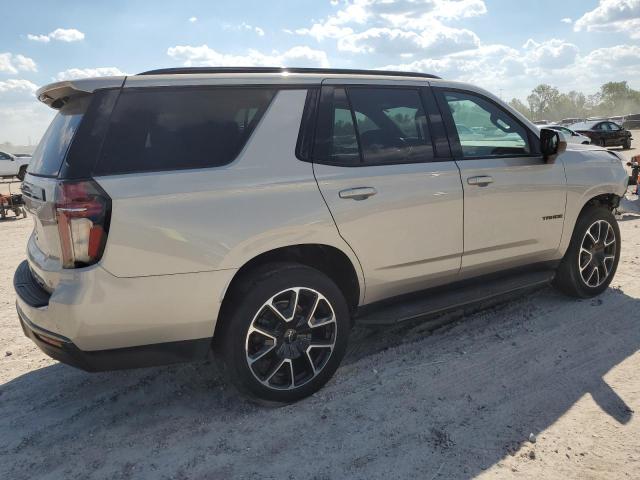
(256, 214)
(570, 135)
(632, 122)
(570, 121)
(604, 133)
(13, 165)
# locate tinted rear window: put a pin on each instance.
(53, 147)
(169, 129)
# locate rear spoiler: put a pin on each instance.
(57, 94)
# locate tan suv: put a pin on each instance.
(257, 213)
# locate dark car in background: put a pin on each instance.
(604, 133)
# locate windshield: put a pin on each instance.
(50, 153)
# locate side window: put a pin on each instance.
(614, 127)
(371, 126)
(4, 156)
(391, 125)
(157, 129)
(484, 129)
(336, 141)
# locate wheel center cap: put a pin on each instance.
(290, 335)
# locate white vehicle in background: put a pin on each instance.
(13, 165)
(570, 135)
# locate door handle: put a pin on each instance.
(481, 180)
(360, 193)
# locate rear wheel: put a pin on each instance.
(284, 334)
(602, 143)
(593, 254)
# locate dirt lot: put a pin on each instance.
(457, 402)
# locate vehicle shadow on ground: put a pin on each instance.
(407, 403)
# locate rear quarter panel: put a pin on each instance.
(188, 221)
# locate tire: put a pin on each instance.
(22, 173)
(626, 145)
(261, 351)
(602, 143)
(591, 261)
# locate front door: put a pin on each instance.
(7, 165)
(514, 201)
(399, 208)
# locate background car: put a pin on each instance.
(13, 166)
(604, 133)
(570, 135)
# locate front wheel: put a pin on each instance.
(593, 254)
(285, 333)
(22, 173)
(626, 145)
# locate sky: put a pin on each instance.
(506, 46)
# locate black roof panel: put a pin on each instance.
(327, 71)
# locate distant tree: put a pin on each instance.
(520, 107)
(542, 98)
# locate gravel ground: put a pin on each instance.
(460, 401)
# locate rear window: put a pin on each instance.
(49, 155)
(170, 129)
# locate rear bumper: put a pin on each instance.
(62, 349)
(95, 311)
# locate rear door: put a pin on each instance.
(514, 201)
(396, 201)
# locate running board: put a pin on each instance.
(453, 297)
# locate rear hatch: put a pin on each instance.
(57, 191)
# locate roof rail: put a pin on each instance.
(339, 71)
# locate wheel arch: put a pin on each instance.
(592, 199)
(328, 259)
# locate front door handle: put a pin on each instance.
(360, 193)
(481, 181)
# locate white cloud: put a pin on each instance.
(398, 27)
(440, 40)
(10, 63)
(59, 34)
(566, 20)
(612, 16)
(39, 38)
(202, 55)
(75, 73)
(550, 54)
(17, 85)
(244, 27)
(193, 19)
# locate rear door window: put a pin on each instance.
(372, 126)
(180, 128)
(52, 149)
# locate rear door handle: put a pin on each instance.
(480, 180)
(360, 193)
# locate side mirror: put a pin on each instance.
(551, 144)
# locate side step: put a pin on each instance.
(430, 303)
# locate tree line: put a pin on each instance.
(548, 103)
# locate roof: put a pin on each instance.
(284, 70)
(57, 94)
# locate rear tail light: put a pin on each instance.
(83, 211)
